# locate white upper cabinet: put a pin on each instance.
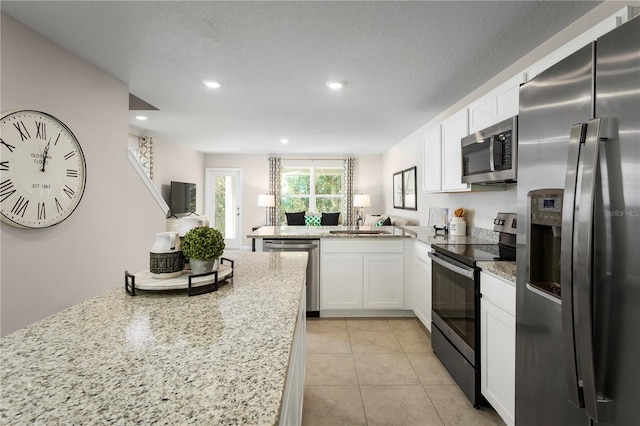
(497, 105)
(432, 160)
(454, 129)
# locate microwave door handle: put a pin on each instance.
(599, 129)
(576, 140)
(495, 152)
(492, 163)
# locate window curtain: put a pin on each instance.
(347, 205)
(275, 164)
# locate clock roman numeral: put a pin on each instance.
(72, 173)
(69, 155)
(9, 147)
(67, 190)
(20, 207)
(24, 133)
(42, 215)
(58, 205)
(6, 189)
(56, 142)
(41, 130)
(4, 166)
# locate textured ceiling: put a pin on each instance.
(404, 63)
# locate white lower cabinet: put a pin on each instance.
(341, 286)
(383, 284)
(361, 274)
(291, 411)
(422, 284)
(498, 344)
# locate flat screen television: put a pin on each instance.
(183, 198)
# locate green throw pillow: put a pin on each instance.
(312, 220)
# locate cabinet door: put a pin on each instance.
(507, 98)
(432, 161)
(383, 281)
(341, 281)
(482, 113)
(498, 346)
(453, 130)
(422, 285)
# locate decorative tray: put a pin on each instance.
(195, 284)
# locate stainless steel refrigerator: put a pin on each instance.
(578, 242)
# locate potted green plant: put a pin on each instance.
(203, 246)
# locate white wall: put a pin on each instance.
(45, 271)
(255, 169)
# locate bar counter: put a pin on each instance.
(161, 357)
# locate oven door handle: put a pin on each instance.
(452, 265)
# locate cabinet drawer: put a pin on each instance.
(499, 291)
(362, 245)
(422, 252)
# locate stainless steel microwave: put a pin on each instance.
(490, 156)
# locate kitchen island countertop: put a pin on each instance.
(161, 357)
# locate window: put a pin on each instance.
(311, 189)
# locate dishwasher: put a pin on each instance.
(313, 267)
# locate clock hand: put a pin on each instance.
(44, 156)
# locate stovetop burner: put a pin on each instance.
(469, 254)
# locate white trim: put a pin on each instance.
(148, 183)
(236, 242)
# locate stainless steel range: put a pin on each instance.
(455, 335)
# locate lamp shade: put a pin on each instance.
(361, 200)
(266, 200)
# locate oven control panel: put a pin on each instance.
(505, 222)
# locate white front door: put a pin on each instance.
(223, 199)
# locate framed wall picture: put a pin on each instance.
(409, 183)
(398, 191)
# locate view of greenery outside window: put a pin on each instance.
(311, 189)
(220, 197)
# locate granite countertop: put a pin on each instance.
(161, 357)
(311, 232)
(501, 269)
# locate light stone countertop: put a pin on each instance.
(313, 232)
(161, 357)
(502, 269)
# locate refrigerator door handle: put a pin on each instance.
(599, 129)
(576, 140)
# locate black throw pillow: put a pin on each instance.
(387, 222)
(296, 218)
(329, 219)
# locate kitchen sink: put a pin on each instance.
(358, 231)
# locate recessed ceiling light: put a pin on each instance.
(335, 85)
(141, 117)
(284, 141)
(212, 84)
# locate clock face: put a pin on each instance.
(42, 170)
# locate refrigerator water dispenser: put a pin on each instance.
(545, 240)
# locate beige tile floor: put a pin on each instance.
(381, 372)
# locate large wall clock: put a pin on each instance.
(42, 170)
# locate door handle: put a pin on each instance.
(598, 130)
(576, 140)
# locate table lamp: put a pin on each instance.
(266, 201)
(360, 201)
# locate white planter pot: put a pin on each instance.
(199, 266)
